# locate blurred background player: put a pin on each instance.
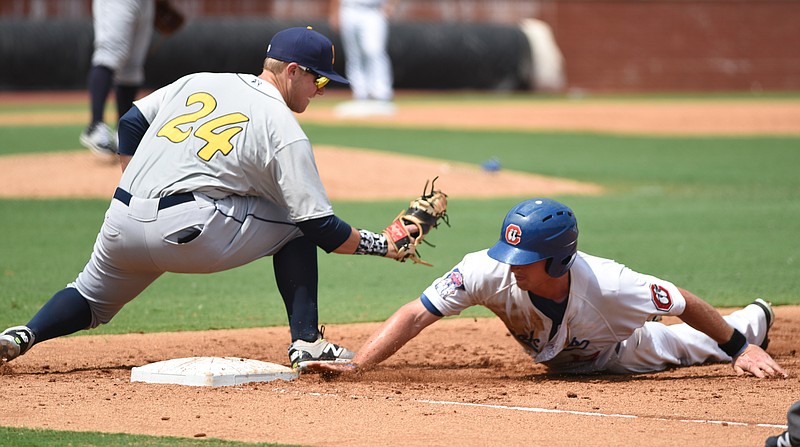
(122, 33)
(364, 28)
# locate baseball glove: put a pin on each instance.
(409, 228)
(167, 20)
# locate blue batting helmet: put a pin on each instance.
(538, 229)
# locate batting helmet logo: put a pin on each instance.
(513, 234)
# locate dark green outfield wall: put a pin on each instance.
(56, 54)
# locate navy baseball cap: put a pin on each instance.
(307, 48)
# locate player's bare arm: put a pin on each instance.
(752, 359)
(405, 324)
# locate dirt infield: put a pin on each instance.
(720, 117)
(461, 382)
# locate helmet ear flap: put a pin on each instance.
(558, 269)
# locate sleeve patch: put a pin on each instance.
(661, 298)
(449, 284)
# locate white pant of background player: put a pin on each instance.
(123, 30)
(365, 36)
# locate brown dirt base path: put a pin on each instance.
(461, 382)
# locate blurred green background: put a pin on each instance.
(716, 215)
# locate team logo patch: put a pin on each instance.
(449, 284)
(513, 234)
(661, 297)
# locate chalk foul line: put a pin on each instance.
(573, 412)
(594, 414)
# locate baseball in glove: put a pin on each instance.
(423, 213)
(167, 20)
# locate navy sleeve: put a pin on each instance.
(327, 232)
(428, 305)
(132, 127)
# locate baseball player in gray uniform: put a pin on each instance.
(122, 33)
(574, 312)
(216, 173)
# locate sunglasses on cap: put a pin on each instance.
(320, 81)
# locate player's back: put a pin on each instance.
(209, 132)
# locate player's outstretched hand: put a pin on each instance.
(757, 362)
(329, 370)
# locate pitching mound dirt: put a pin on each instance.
(80, 174)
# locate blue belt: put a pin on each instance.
(163, 203)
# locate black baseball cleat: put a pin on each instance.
(770, 314)
(14, 342)
(782, 440)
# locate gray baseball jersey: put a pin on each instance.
(223, 134)
(231, 145)
(606, 324)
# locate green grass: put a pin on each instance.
(727, 253)
(700, 165)
(716, 215)
(21, 437)
(38, 139)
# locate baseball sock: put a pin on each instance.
(125, 96)
(66, 312)
(100, 78)
(297, 277)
